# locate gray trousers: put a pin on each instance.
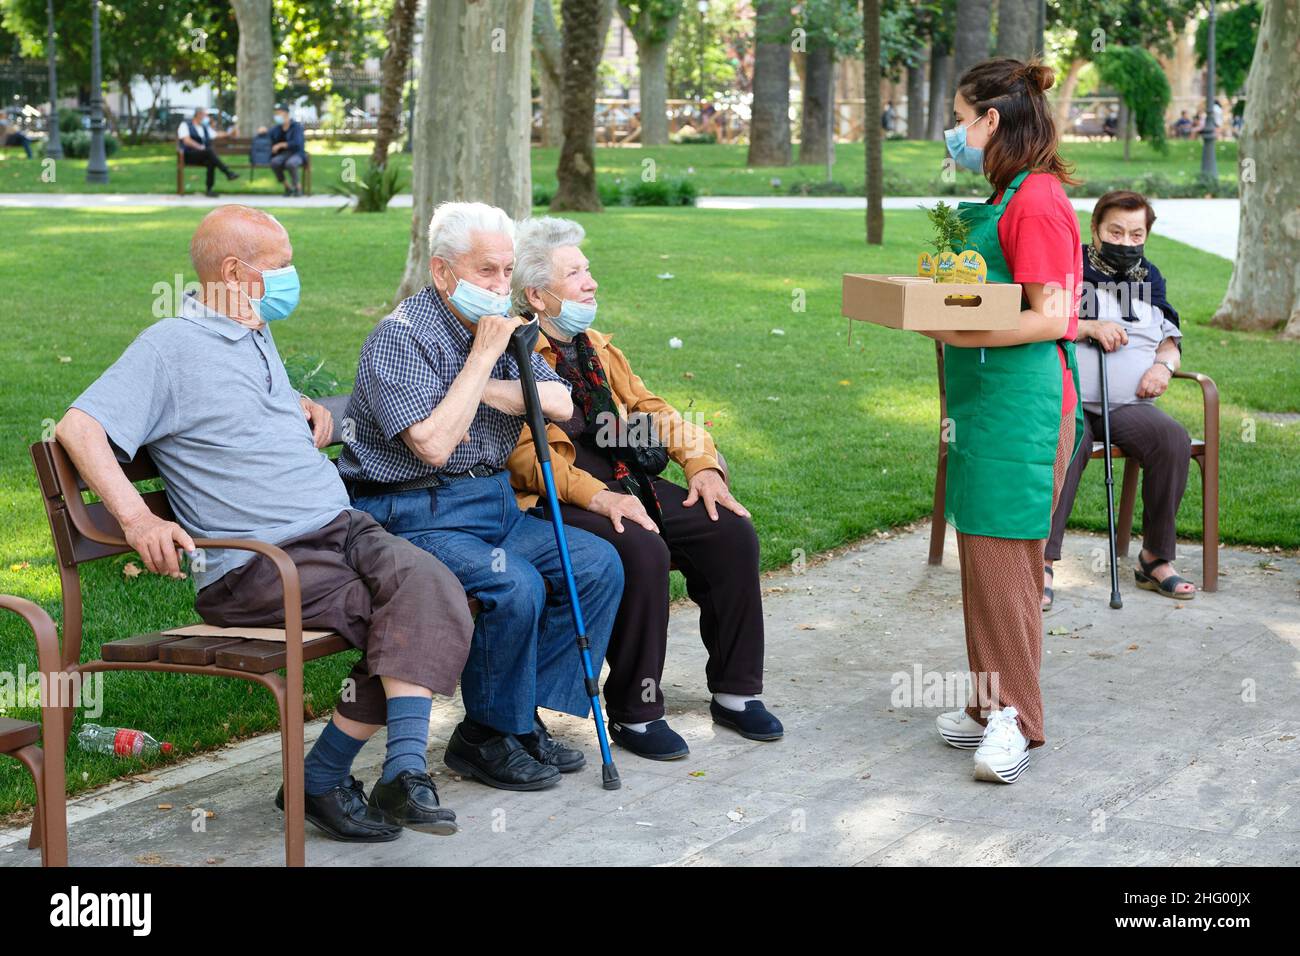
(1163, 448)
(284, 160)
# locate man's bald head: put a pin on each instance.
(246, 233)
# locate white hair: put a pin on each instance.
(453, 223)
(535, 247)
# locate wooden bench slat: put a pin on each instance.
(16, 734)
(138, 648)
(262, 657)
(200, 651)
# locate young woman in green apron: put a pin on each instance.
(1012, 401)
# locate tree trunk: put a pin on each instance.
(400, 32)
(1017, 28)
(818, 99)
(254, 66)
(940, 91)
(874, 133)
(1066, 98)
(1126, 129)
(652, 61)
(974, 23)
(653, 37)
(472, 117)
(916, 99)
(1264, 292)
(550, 70)
(576, 173)
(769, 125)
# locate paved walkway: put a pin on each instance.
(1174, 738)
(1207, 224)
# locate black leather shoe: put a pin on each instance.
(231, 175)
(342, 814)
(411, 800)
(754, 722)
(501, 762)
(545, 749)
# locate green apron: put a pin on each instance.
(1005, 408)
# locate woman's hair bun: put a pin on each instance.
(1037, 76)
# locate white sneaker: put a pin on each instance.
(959, 729)
(1003, 754)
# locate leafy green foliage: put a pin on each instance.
(1235, 33)
(373, 190)
(76, 144)
(950, 230)
(1142, 84)
(309, 375)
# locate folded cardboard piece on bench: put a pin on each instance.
(248, 633)
(916, 302)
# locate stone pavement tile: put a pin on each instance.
(665, 827)
(838, 832)
(1115, 841)
(959, 843)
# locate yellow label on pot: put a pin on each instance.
(925, 265)
(946, 267)
(971, 267)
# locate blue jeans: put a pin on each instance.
(523, 654)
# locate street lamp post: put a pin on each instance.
(53, 144)
(1210, 132)
(97, 167)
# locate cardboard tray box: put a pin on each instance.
(913, 302)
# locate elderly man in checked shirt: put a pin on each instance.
(436, 411)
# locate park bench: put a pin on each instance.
(18, 739)
(1205, 452)
(238, 148)
(85, 532)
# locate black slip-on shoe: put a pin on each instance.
(753, 723)
(657, 742)
(342, 814)
(501, 762)
(545, 749)
(411, 800)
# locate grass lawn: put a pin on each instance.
(911, 169)
(827, 441)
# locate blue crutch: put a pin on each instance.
(522, 342)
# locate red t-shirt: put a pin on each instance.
(1039, 232)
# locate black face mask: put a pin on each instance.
(1120, 256)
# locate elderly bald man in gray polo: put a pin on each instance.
(238, 448)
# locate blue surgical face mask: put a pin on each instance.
(575, 317)
(964, 155)
(280, 291)
(474, 301)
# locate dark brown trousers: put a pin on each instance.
(719, 560)
(385, 596)
(1164, 449)
(1001, 603)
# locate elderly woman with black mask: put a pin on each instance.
(1125, 312)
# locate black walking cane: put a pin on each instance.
(1115, 600)
(522, 341)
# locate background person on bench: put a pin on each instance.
(194, 139)
(1124, 310)
(288, 149)
(437, 409)
(207, 394)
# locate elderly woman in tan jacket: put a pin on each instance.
(607, 461)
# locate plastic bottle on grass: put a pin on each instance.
(120, 741)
